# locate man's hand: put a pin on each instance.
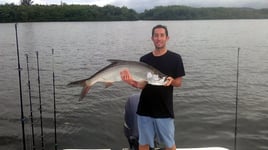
(174, 82)
(126, 77)
(168, 81)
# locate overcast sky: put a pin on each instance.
(147, 4)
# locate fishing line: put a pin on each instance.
(21, 101)
(30, 100)
(236, 101)
(54, 99)
(40, 103)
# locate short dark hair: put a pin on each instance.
(160, 26)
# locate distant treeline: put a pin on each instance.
(38, 13)
(191, 13)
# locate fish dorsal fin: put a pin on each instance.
(115, 60)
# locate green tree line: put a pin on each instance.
(38, 13)
(191, 13)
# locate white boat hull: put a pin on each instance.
(203, 148)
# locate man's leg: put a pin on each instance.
(146, 132)
(171, 148)
(165, 131)
(144, 147)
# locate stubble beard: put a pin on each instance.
(159, 47)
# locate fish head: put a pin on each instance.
(155, 79)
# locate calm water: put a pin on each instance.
(204, 105)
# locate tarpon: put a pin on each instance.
(111, 73)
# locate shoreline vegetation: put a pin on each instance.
(64, 12)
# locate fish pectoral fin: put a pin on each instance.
(84, 92)
(108, 84)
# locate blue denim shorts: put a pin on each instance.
(160, 129)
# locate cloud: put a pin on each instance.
(140, 5)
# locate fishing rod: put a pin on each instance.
(21, 101)
(30, 100)
(236, 101)
(40, 103)
(54, 99)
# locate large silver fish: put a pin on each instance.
(111, 73)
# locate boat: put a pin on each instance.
(132, 135)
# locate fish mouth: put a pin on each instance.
(155, 79)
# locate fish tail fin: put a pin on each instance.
(84, 91)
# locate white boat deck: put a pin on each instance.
(203, 148)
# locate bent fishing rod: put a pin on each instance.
(30, 101)
(21, 101)
(40, 103)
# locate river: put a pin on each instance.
(204, 105)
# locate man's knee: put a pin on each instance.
(144, 147)
(172, 148)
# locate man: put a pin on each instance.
(155, 109)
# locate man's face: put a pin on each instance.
(159, 38)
